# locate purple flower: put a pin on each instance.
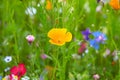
(30, 38)
(86, 34)
(99, 37)
(44, 56)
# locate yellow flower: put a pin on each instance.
(48, 5)
(4, 79)
(59, 36)
(115, 4)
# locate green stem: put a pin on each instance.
(56, 61)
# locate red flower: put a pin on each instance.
(18, 71)
(82, 47)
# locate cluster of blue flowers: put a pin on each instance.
(99, 38)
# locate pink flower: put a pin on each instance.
(96, 77)
(44, 56)
(30, 38)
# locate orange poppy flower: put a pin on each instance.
(115, 4)
(48, 5)
(59, 36)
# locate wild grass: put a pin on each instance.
(75, 16)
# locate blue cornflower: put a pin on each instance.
(0, 77)
(99, 37)
(86, 34)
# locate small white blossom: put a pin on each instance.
(25, 78)
(8, 59)
(7, 69)
(98, 8)
(31, 11)
(86, 51)
(115, 58)
(60, 10)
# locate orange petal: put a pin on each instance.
(53, 33)
(115, 4)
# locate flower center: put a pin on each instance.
(100, 38)
(59, 41)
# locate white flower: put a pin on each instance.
(25, 78)
(31, 11)
(115, 58)
(7, 69)
(12, 76)
(60, 10)
(8, 59)
(98, 8)
(86, 51)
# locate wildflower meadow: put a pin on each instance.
(59, 39)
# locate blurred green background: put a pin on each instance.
(76, 15)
